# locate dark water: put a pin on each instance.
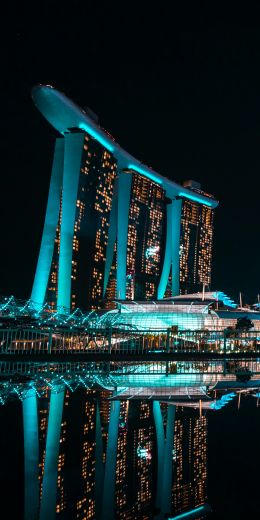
(234, 460)
(108, 463)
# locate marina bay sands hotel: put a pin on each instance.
(114, 228)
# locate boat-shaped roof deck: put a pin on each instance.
(63, 114)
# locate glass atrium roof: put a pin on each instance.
(187, 312)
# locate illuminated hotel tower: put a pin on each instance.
(145, 228)
(114, 228)
(196, 243)
(146, 222)
(89, 205)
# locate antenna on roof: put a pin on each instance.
(240, 300)
(258, 299)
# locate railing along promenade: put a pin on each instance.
(111, 343)
(116, 357)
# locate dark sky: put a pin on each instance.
(180, 90)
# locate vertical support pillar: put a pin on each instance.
(49, 231)
(157, 414)
(31, 457)
(124, 192)
(109, 338)
(110, 466)
(166, 493)
(172, 250)
(164, 458)
(225, 352)
(72, 163)
(167, 256)
(167, 350)
(50, 342)
(99, 467)
(111, 237)
(175, 243)
(49, 484)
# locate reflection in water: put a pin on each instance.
(88, 456)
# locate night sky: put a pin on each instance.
(179, 90)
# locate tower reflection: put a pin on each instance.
(88, 455)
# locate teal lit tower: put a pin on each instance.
(114, 228)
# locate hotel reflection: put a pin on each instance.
(79, 486)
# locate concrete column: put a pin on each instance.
(172, 250)
(49, 484)
(166, 495)
(110, 466)
(49, 231)
(165, 444)
(175, 245)
(112, 231)
(99, 466)
(159, 430)
(72, 162)
(167, 256)
(31, 457)
(124, 192)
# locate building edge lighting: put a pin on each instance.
(193, 513)
(144, 172)
(195, 198)
(95, 134)
(63, 114)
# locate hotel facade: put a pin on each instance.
(114, 228)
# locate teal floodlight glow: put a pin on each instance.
(151, 251)
(143, 453)
(219, 295)
(188, 514)
(49, 231)
(144, 172)
(94, 133)
(195, 198)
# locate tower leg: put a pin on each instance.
(172, 250)
(175, 244)
(124, 191)
(167, 463)
(49, 484)
(111, 238)
(167, 257)
(99, 467)
(164, 459)
(49, 230)
(31, 457)
(158, 420)
(110, 466)
(72, 163)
